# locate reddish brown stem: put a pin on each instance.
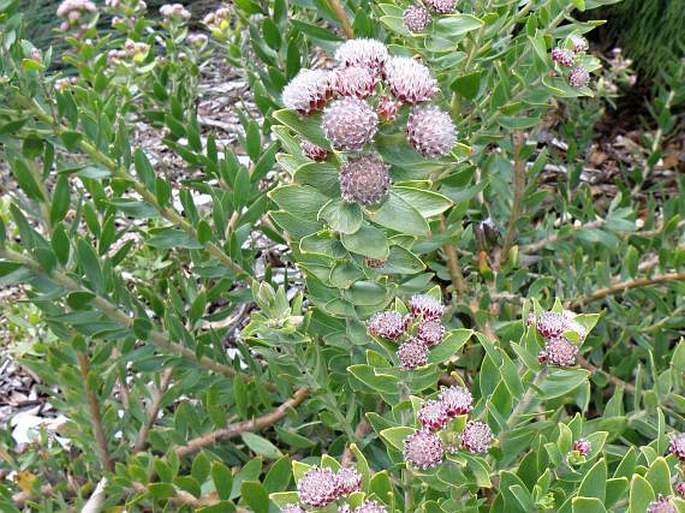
(95, 417)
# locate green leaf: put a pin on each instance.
(60, 200)
(279, 475)
(380, 382)
(308, 127)
(467, 85)
(161, 490)
(25, 178)
(594, 482)
(272, 36)
(402, 261)
(395, 213)
(223, 479)
(71, 139)
(455, 25)
(281, 499)
(452, 343)
(314, 31)
(171, 238)
(562, 382)
(302, 201)
(367, 241)
(90, 264)
(659, 476)
(587, 505)
(342, 216)
(396, 436)
(641, 494)
(249, 472)
(144, 169)
(428, 203)
(201, 467)
(254, 495)
(261, 446)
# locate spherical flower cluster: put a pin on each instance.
(457, 400)
(579, 77)
(582, 445)
(374, 263)
(349, 481)
(431, 131)
(221, 15)
(423, 449)
(579, 44)
(349, 123)
(198, 40)
(677, 446)
(442, 6)
(314, 152)
(72, 9)
(426, 306)
(175, 12)
(62, 83)
(387, 108)
(308, 91)
(362, 52)
(555, 324)
(430, 332)
(114, 56)
(559, 351)
(137, 50)
(433, 415)
(412, 354)
(364, 180)
(318, 487)
(389, 324)
(359, 81)
(476, 437)
(662, 505)
(409, 81)
(563, 56)
(416, 18)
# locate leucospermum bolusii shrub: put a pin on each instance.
(317, 313)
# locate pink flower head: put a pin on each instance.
(362, 52)
(349, 481)
(389, 324)
(662, 505)
(68, 7)
(677, 446)
(416, 18)
(364, 180)
(579, 77)
(433, 415)
(175, 12)
(426, 306)
(457, 400)
(318, 487)
(555, 324)
(559, 351)
(430, 131)
(580, 44)
(387, 108)
(442, 6)
(423, 450)
(357, 81)
(563, 56)
(476, 437)
(680, 489)
(314, 152)
(409, 80)
(430, 332)
(349, 123)
(412, 353)
(582, 445)
(308, 91)
(292, 508)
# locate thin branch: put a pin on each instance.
(152, 410)
(95, 417)
(344, 20)
(181, 497)
(453, 263)
(534, 247)
(623, 286)
(21, 498)
(519, 186)
(585, 364)
(235, 430)
(110, 310)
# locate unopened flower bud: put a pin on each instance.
(314, 152)
(416, 18)
(582, 445)
(677, 446)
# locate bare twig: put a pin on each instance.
(584, 363)
(453, 263)
(623, 286)
(97, 499)
(181, 497)
(534, 247)
(344, 20)
(152, 410)
(95, 417)
(235, 430)
(519, 186)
